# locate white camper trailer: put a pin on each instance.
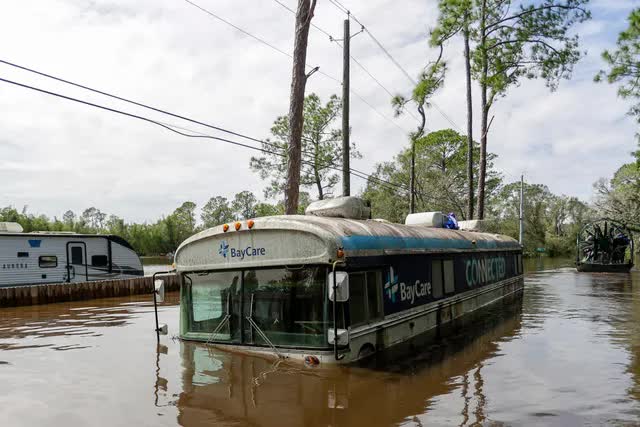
(59, 257)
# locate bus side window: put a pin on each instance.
(449, 282)
(357, 298)
(436, 278)
(520, 270)
(365, 297)
(374, 294)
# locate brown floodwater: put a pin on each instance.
(567, 353)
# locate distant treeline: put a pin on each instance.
(551, 221)
(159, 238)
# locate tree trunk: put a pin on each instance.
(298, 83)
(467, 60)
(316, 175)
(412, 178)
(485, 113)
(412, 171)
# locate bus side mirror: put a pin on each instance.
(342, 286)
(159, 289)
(343, 337)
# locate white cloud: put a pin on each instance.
(55, 155)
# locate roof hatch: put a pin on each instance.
(340, 207)
(10, 227)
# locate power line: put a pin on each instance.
(264, 42)
(291, 56)
(139, 104)
(120, 98)
(340, 7)
(312, 24)
(363, 69)
(193, 134)
(343, 9)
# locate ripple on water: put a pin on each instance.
(567, 353)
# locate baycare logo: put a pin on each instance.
(224, 248)
(406, 292)
(228, 252)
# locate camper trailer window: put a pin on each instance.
(23, 254)
(48, 261)
(99, 261)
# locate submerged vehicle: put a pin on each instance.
(59, 257)
(332, 286)
(605, 246)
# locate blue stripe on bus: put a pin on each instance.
(392, 242)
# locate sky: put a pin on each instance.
(57, 155)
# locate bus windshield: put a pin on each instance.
(288, 305)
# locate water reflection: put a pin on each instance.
(231, 389)
(567, 354)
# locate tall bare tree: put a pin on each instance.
(529, 41)
(509, 41)
(455, 17)
(304, 14)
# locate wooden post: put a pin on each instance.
(346, 171)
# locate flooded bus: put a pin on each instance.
(332, 286)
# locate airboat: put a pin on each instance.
(605, 246)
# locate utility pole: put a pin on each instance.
(346, 56)
(521, 239)
(412, 180)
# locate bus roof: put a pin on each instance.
(304, 239)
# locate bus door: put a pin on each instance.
(77, 269)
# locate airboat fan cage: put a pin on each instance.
(605, 245)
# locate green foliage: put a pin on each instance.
(510, 41)
(321, 147)
(162, 237)
(430, 80)
(266, 209)
(619, 198)
(181, 223)
(216, 211)
(624, 63)
(529, 41)
(440, 178)
(244, 205)
(550, 221)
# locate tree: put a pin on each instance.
(244, 205)
(624, 64)
(619, 198)
(456, 17)
(181, 224)
(266, 209)
(550, 221)
(299, 77)
(69, 219)
(321, 144)
(536, 203)
(431, 79)
(531, 41)
(216, 211)
(440, 159)
(93, 218)
(510, 43)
